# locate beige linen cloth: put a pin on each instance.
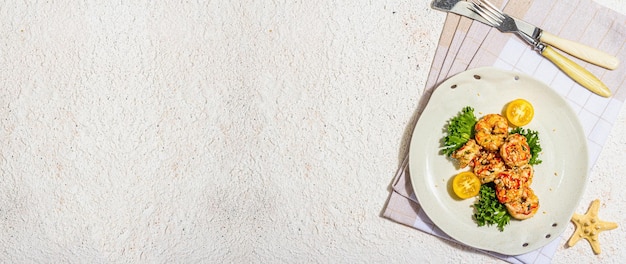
(465, 44)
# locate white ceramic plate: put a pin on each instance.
(558, 182)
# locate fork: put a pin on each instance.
(499, 20)
(505, 23)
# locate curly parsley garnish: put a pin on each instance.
(489, 210)
(460, 130)
(532, 138)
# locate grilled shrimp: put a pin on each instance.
(491, 131)
(525, 206)
(467, 153)
(525, 173)
(515, 151)
(511, 182)
(487, 165)
(509, 186)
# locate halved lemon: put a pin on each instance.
(466, 184)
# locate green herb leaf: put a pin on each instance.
(460, 129)
(489, 210)
(532, 137)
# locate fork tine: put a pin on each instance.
(494, 10)
(488, 16)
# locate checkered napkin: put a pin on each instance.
(466, 44)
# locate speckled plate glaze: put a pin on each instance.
(559, 181)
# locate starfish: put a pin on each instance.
(588, 226)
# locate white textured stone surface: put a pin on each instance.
(246, 131)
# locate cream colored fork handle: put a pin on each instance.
(581, 51)
(576, 72)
